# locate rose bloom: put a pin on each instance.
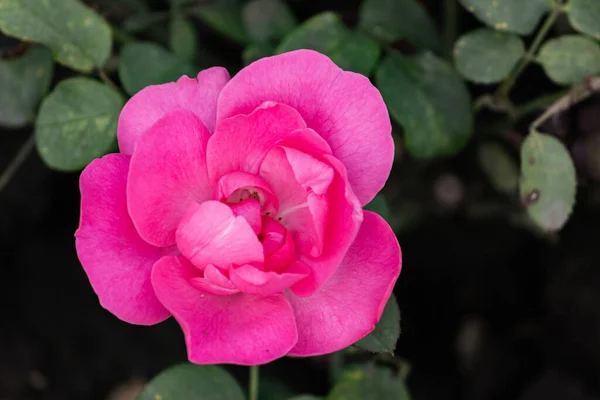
(235, 205)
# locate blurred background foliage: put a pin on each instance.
(494, 193)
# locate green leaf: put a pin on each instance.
(499, 167)
(23, 82)
(270, 389)
(431, 102)
(77, 123)
(141, 21)
(385, 335)
(487, 56)
(121, 8)
(391, 20)
(327, 34)
(569, 59)
(516, 16)
(323, 32)
(190, 381)
(369, 382)
(257, 51)
(268, 20)
(144, 63)
(548, 181)
(182, 38)
(225, 17)
(358, 53)
(78, 37)
(584, 16)
(379, 206)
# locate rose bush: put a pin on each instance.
(236, 206)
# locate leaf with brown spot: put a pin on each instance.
(548, 185)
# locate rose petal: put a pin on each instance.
(197, 95)
(214, 282)
(279, 248)
(343, 222)
(240, 143)
(343, 107)
(251, 280)
(237, 329)
(250, 210)
(167, 174)
(349, 304)
(210, 233)
(232, 182)
(299, 181)
(117, 261)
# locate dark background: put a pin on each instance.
(490, 310)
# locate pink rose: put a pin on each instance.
(236, 206)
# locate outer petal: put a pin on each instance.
(210, 233)
(167, 174)
(237, 329)
(117, 261)
(154, 102)
(347, 307)
(343, 107)
(240, 143)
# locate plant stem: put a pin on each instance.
(575, 95)
(538, 104)
(450, 26)
(336, 363)
(253, 387)
(507, 85)
(106, 79)
(16, 162)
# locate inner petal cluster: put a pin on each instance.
(252, 235)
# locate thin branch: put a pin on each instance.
(576, 95)
(16, 162)
(507, 85)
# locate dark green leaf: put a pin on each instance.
(141, 21)
(257, 51)
(121, 8)
(487, 56)
(379, 206)
(584, 16)
(383, 339)
(182, 38)
(367, 383)
(225, 17)
(357, 53)
(390, 20)
(270, 389)
(324, 33)
(569, 59)
(431, 102)
(79, 38)
(189, 381)
(327, 34)
(268, 20)
(144, 63)
(499, 167)
(548, 181)
(516, 16)
(76, 123)
(23, 82)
